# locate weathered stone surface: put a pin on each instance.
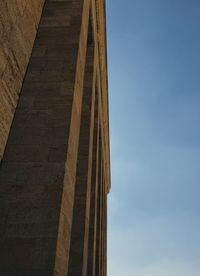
(18, 25)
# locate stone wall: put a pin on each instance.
(18, 24)
(55, 173)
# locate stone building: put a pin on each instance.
(54, 138)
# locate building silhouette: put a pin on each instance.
(54, 138)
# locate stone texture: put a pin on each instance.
(55, 173)
(18, 25)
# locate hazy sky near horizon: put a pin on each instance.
(154, 96)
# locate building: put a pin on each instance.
(54, 138)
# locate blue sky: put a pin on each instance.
(154, 95)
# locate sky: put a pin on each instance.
(154, 105)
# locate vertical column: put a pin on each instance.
(101, 244)
(80, 223)
(67, 202)
(99, 210)
(93, 196)
(33, 168)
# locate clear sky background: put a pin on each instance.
(154, 95)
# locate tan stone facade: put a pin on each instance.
(55, 166)
(18, 24)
